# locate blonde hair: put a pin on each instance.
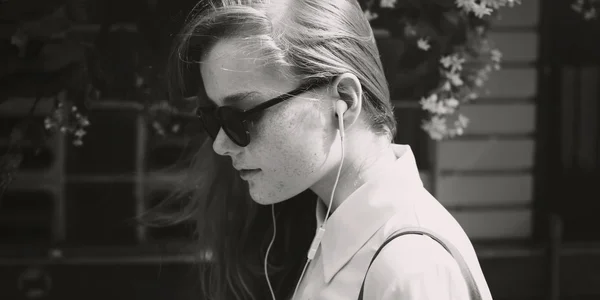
(312, 39)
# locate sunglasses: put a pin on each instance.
(235, 122)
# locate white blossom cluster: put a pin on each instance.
(483, 8)
(443, 103)
(68, 120)
(587, 8)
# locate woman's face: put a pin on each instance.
(290, 143)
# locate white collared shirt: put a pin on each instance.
(409, 268)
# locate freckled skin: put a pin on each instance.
(290, 143)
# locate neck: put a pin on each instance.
(362, 163)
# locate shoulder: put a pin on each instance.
(415, 267)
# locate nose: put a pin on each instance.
(223, 145)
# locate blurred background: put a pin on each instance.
(523, 179)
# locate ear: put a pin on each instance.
(347, 87)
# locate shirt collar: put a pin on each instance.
(367, 209)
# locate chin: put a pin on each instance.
(273, 192)
(266, 198)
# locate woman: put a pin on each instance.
(293, 96)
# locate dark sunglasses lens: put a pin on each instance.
(234, 126)
(210, 122)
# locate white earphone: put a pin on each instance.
(340, 108)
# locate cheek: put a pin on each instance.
(293, 144)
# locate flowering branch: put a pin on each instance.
(483, 8)
(455, 56)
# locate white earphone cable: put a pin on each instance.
(337, 179)
(269, 249)
(301, 276)
(321, 230)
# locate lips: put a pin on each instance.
(247, 173)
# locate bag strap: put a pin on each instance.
(464, 268)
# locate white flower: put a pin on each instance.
(80, 133)
(464, 3)
(481, 10)
(459, 130)
(447, 86)
(478, 82)
(590, 14)
(496, 55)
(139, 80)
(83, 121)
(175, 128)
(388, 3)
(452, 62)
(454, 79)
(436, 127)
(463, 121)
(410, 31)
(452, 102)
(429, 103)
(587, 8)
(443, 107)
(423, 44)
(432, 99)
(459, 126)
(446, 61)
(577, 6)
(495, 4)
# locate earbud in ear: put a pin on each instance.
(340, 108)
